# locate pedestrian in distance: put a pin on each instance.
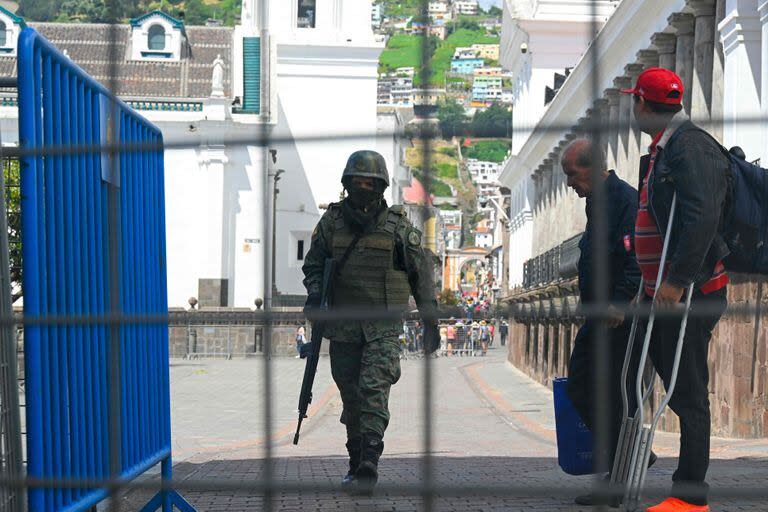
(474, 336)
(484, 334)
(585, 167)
(443, 337)
(380, 263)
(683, 161)
(503, 332)
(491, 332)
(301, 339)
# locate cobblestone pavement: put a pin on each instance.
(492, 428)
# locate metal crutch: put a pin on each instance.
(629, 424)
(635, 433)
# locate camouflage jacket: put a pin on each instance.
(409, 257)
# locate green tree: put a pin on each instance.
(496, 12)
(196, 12)
(495, 121)
(39, 10)
(12, 178)
(469, 25)
(452, 118)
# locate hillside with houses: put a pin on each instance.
(466, 96)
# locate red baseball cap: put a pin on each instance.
(658, 85)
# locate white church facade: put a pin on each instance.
(290, 91)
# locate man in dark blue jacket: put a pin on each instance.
(585, 166)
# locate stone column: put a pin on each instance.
(546, 174)
(561, 180)
(740, 33)
(581, 129)
(601, 117)
(622, 126)
(213, 159)
(665, 44)
(592, 123)
(762, 7)
(633, 144)
(683, 23)
(718, 70)
(703, 60)
(648, 57)
(612, 134)
(554, 165)
(537, 188)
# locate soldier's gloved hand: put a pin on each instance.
(312, 306)
(431, 337)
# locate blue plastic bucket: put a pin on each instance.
(574, 439)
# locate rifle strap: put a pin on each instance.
(345, 256)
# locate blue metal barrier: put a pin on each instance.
(78, 264)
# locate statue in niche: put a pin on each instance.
(217, 80)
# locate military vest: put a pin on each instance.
(369, 277)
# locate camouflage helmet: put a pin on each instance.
(366, 164)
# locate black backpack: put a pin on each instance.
(746, 222)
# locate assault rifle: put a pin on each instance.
(305, 398)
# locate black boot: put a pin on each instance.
(367, 473)
(353, 448)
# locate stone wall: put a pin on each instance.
(232, 332)
(543, 324)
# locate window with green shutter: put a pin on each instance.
(251, 75)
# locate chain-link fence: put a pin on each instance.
(547, 312)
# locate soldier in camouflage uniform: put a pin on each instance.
(385, 266)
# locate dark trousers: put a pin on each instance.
(690, 399)
(582, 382)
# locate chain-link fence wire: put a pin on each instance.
(11, 456)
(268, 484)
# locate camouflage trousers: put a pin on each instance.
(364, 371)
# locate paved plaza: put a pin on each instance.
(493, 428)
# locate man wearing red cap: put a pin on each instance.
(683, 160)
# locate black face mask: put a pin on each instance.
(363, 198)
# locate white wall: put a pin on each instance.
(341, 21)
(214, 215)
(391, 147)
(326, 91)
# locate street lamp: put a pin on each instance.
(275, 191)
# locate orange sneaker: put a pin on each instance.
(677, 505)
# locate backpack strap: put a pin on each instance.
(693, 127)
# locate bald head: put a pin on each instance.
(580, 161)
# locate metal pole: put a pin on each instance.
(275, 191)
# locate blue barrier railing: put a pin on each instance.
(93, 231)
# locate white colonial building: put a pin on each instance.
(301, 73)
(720, 50)
(539, 38)
(718, 47)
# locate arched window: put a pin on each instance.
(3, 34)
(156, 37)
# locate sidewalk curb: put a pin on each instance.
(503, 409)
